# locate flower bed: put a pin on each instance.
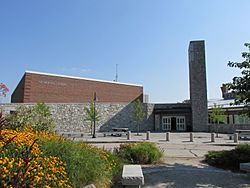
(23, 164)
(39, 159)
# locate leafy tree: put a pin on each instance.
(240, 85)
(138, 114)
(217, 115)
(37, 117)
(42, 117)
(3, 90)
(91, 114)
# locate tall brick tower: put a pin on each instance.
(198, 85)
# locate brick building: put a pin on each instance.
(114, 99)
(50, 88)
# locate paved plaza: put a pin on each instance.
(183, 163)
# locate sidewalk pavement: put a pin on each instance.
(183, 165)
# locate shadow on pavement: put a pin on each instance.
(188, 176)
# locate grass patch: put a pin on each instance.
(85, 164)
(229, 159)
(140, 153)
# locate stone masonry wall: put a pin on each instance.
(71, 117)
(227, 128)
(198, 85)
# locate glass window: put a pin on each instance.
(241, 119)
(180, 122)
(166, 123)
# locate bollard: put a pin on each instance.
(168, 136)
(129, 135)
(191, 137)
(212, 137)
(236, 136)
(148, 135)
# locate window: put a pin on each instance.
(241, 119)
(166, 123)
(180, 123)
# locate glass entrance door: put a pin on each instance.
(173, 123)
(180, 123)
(166, 123)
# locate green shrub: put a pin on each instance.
(85, 164)
(37, 117)
(23, 164)
(140, 153)
(229, 159)
(243, 151)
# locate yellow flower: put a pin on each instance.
(42, 169)
(37, 179)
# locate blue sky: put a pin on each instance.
(147, 39)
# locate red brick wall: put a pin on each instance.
(18, 94)
(56, 89)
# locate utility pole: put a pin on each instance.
(116, 73)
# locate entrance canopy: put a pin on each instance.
(173, 117)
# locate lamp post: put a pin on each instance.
(94, 136)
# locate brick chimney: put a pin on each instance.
(224, 90)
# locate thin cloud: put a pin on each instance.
(75, 70)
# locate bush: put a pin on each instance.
(34, 158)
(243, 151)
(37, 117)
(229, 159)
(85, 164)
(140, 153)
(41, 159)
(23, 164)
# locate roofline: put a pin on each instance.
(82, 78)
(199, 40)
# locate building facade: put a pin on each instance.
(173, 117)
(64, 90)
(51, 88)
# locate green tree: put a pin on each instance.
(240, 85)
(217, 116)
(91, 114)
(42, 117)
(37, 117)
(138, 114)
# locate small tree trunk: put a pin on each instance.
(217, 130)
(91, 129)
(138, 129)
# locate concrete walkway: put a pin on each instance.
(190, 176)
(182, 165)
